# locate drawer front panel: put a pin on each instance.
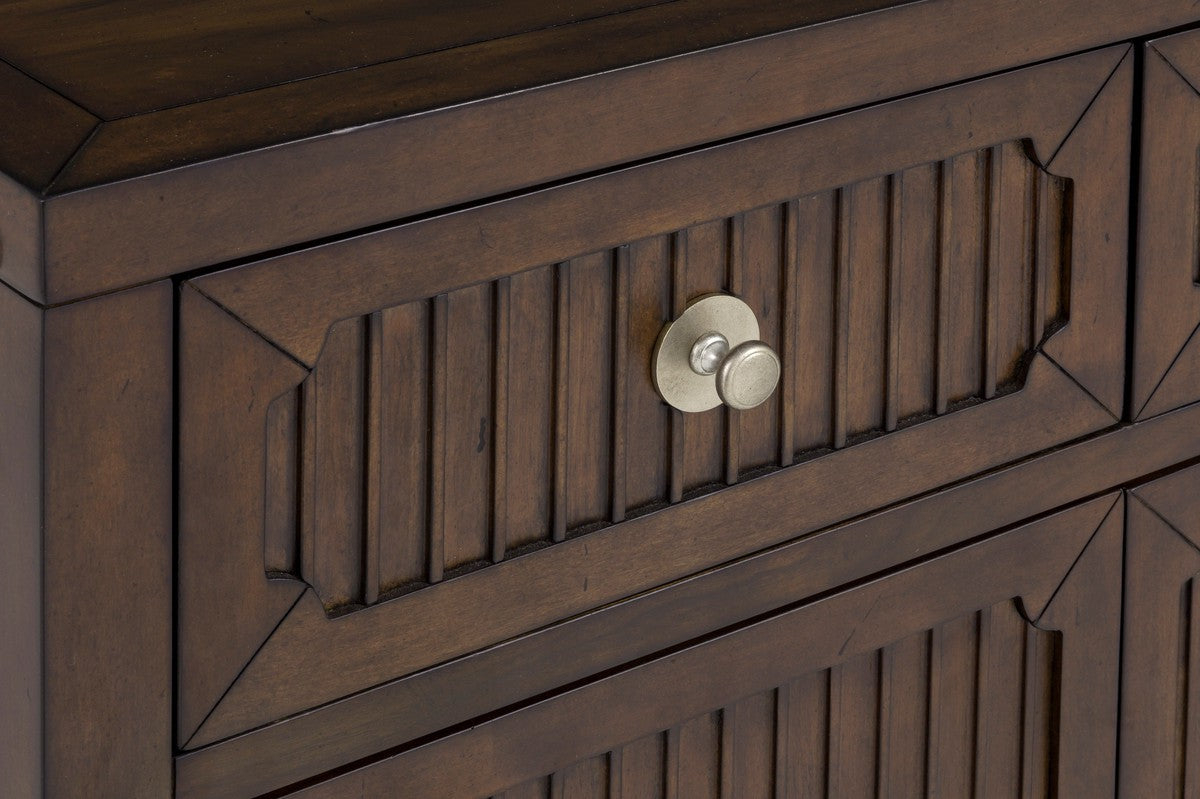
(437, 437)
(1166, 366)
(992, 669)
(404, 447)
(1160, 703)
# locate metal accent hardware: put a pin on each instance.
(711, 355)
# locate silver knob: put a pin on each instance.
(711, 355)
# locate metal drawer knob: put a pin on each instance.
(711, 355)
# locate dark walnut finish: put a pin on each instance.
(1166, 371)
(331, 464)
(922, 310)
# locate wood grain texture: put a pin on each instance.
(1160, 750)
(506, 749)
(711, 220)
(107, 545)
(21, 599)
(350, 729)
(879, 336)
(415, 261)
(202, 50)
(1166, 362)
(755, 757)
(256, 146)
(222, 368)
(81, 260)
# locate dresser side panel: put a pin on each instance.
(108, 467)
(20, 546)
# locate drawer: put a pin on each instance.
(399, 448)
(1166, 366)
(1160, 748)
(992, 668)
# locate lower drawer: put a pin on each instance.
(994, 665)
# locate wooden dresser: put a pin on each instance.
(609, 399)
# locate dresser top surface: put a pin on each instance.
(141, 139)
(164, 61)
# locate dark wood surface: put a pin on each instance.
(1160, 748)
(981, 249)
(1064, 570)
(411, 519)
(431, 139)
(1166, 369)
(21, 601)
(411, 708)
(87, 537)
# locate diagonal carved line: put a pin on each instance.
(1175, 69)
(251, 328)
(1078, 557)
(243, 669)
(1164, 520)
(1079, 385)
(1087, 109)
(1167, 373)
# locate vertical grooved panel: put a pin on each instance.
(968, 708)
(641, 774)
(994, 160)
(671, 754)
(953, 669)
(853, 726)
(728, 766)
(945, 270)
(589, 397)
(808, 735)
(618, 467)
(436, 546)
(1191, 734)
(735, 283)
(1182, 681)
(336, 567)
(308, 473)
(445, 434)
(762, 289)
(404, 394)
(812, 365)
(1039, 715)
(647, 420)
(1001, 686)
(964, 301)
(1012, 274)
(530, 470)
(679, 272)
(699, 772)
(904, 689)
(501, 314)
(586, 780)
(790, 264)
(373, 450)
(783, 766)
(705, 433)
(283, 451)
(1055, 206)
(866, 358)
(753, 747)
(843, 281)
(916, 328)
(895, 267)
(562, 375)
(468, 464)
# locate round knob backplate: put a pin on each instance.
(694, 370)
